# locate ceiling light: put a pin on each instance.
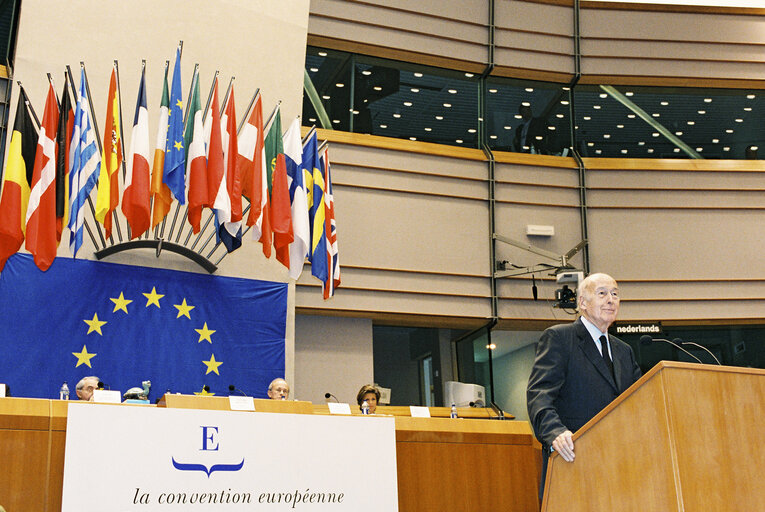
(676, 150)
(715, 141)
(586, 118)
(754, 148)
(448, 105)
(355, 112)
(606, 135)
(603, 95)
(678, 133)
(551, 128)
(336, 121)
(631, 116)
(699, 149)
(656, 114)
(452, 91)
(691, 123)
(428, 129)
(596, 107)
(559, 116)
(471, 130)
(597, 151)
(439, 118)
(641, 143)
(518, 116)
(529, 89)
(664, 103)
(739, 120)
(726, 148)
(590, 144)
(412, 138)
(418, 75)
(459, 141)
(750, 96)
(747, 109)
(492, 91)
(566, 88)
(366, 72)
(564, 102)
(407, 103)
(469, 75)
(314, 70)
(414, 89)
(728, 131)
(526, 148)
(492, 137)
(539, 137)
(655, 134)
(620, 126)
(377, 88)
(322, 54)
(650, 150)
(326, 97)
(383, 126)
(624, 151)
(707, 100)
(702, 112)
(507, 127)
(312, 119)
(525, 103)
(339, 85)
(397, 116)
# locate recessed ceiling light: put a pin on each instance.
(620, 126)
(559, 116)
(418, 75)
(655, 134)
(366, 100)
(586, 118)
(750, 96)
(676, 150)
(407, 103)
(629, 93)
(471, 130)
(728, 131)
(715, 141)
(525, 103)
(383, 126)
(377, 88)
(492, 91)
(339, 85)
(518, 116)
(606, 135)
(656, 114)
(428, 129)
(412, 138)
(507, 127)
(326, 97)
(641, 143)
(414, 89)
(631, 116)
(691, 123)
(551, 128)
(678, 133)
(452, 91)
(702, 112)
(322, 54)
(747, 109)
(650, 150)
(469, 75)
(439, 118)
(739, 120)
(664, 103)
(355, 112)
(366, 72)
(590, 144)
(598, 151)
(397, 116)
(459, 141)
(529, 89)
(726, 148)
(448, 105)
(596, 107)
(312, 119)
(526, 148)
(707, 100)
(314, 70)
(566, 88)
(624, 151)
(603, 95)
(492, 136)
(754, 148)
(699, 149)
(336, 121)
(564, 102)
(539, 137)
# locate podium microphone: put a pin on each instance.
(647, 340)
(701, 347)
(328, 395)
(232, 388)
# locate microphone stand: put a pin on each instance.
(704, 348)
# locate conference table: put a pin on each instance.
(473, 463)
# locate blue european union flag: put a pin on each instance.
(126, 324)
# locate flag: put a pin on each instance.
(231, 232)
(174, 167)
(330, 228)
(216, 174)
(136, 202)
(298, 200)
(273, 145)
(41, 210)
(85, 166)
(251, 161)
(159, 191)
(108, 180)
(18, 177)
(127, 324)
(281, 214)
(196, 161)
(63, 143)
(318, 252)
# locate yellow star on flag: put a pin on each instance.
(183, 309)
(120, 303)
(94, 324)
(83, 357)
(179, 104)
(178, 145)
(204, 333)
(212, 365)
(203, 392)
(153, 297)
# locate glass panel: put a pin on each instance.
(473, 361)
(527, 117)
(330, 72)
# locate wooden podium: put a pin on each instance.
(685, 437)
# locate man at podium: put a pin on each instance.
(578, 369)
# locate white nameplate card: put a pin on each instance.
(241, 403)
(418, 411)
(3, 391)
(107, 396)
(335, 408)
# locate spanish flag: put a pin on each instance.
(18, 177)
(108, 181)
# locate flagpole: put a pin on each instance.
(157, 235)
(249, 108)
(90, 202)
(29, 105)
(194, 80)
(178, 203)
(122, 146)
(308, 135)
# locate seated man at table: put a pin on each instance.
(85, 388)
(278, 389)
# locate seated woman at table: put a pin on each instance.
(371, 395)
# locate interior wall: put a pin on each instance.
(394, 366)
(332, 355)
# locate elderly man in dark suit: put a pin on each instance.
(578, 369)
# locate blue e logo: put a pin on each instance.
(209, 438)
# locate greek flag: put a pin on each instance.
(85, 164)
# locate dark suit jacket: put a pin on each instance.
(570, 382)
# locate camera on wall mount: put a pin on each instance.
(565, 297)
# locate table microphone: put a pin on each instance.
(328, 395)
(647, 340)
(232, 388)
(701, 347)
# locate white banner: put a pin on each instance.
(121, 459)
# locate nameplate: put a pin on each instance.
(107, 396)
(241, 403)
(336, 408)
(3, 392)
(419, 411)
